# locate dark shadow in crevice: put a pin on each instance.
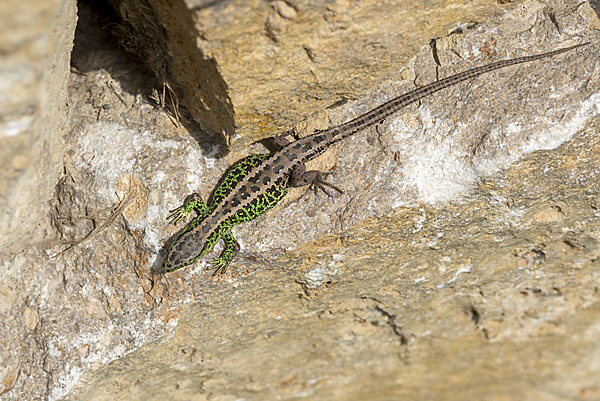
(96, 48)
(104, 41)
(164, 35)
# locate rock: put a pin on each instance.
(460, 264)
(36, 39)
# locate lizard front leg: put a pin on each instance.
(231, 249)
(191, 202)
(301, 177)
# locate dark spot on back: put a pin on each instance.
(318, 139)
(291, 156)
(256, 177)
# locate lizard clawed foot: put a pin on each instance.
(176, 215)
(219, 266)
(231, 249)
(320, 183)
(192, 202)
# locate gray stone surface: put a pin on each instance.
(36, 39)
(460, 264)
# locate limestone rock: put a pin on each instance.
(36, 39)
(460, 264)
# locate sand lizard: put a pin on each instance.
(258, 182)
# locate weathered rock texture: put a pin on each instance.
(162, 33)
(462, 262)
(36, 39)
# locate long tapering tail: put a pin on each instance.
(378, 114)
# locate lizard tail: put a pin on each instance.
(390, 107)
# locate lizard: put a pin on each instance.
(256, 183)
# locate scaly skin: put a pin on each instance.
(185, 249)
(257, 183)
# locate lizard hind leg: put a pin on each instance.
(280, 141)
(301, 177)
(191, 202)
(231, 250)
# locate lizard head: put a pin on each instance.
(186, 248)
